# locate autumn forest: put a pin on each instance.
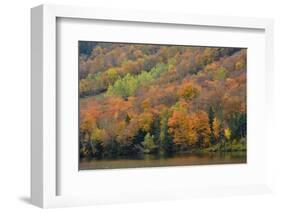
(144, 105)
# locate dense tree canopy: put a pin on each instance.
(139, 98)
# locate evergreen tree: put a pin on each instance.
(211, 115)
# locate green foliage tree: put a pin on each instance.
(220, 74)
(123, 87)
(166, 143)
(148, 144)
(128, 85)
(238, 125)
(211, 115)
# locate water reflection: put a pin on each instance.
(166, 160)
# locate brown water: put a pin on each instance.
(175, 160)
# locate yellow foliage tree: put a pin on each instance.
(145, 121)
(189, 91)
(202, 129)
(181, 128)
(227, 133)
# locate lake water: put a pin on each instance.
(160, 160)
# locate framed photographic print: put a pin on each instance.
(147, 105)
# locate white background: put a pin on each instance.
(154, 181)
(15, 105)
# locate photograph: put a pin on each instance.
(157, 105)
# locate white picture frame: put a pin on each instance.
(44, 150)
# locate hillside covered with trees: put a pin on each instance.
(138, 99)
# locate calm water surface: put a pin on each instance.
(175, 160)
